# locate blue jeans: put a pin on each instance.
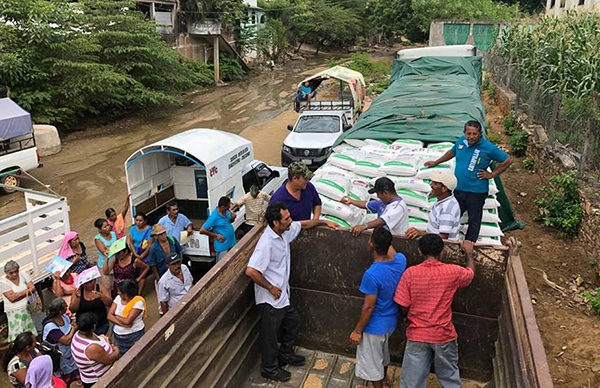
(125, 342)
(417, 363)
(220, 255)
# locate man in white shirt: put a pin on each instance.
(174, 283)
(391, 209)
(269, 269)
(444, 216)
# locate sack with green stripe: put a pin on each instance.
(413, 198)
(337, 220)
(369, 166)
(399, 168)
(410, 183)
(488, 229)
(406, 143)
(417, 223)
(333, 186)
(444, 146)
(345, 159)
(351, 214)
(424, 172)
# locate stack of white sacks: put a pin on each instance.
(355, 165)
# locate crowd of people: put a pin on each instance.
(99, 310)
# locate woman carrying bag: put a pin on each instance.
(21, 301)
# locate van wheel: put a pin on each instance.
(10, 180)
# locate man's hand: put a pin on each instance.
(219, 237)
(468, 246)
(56, 275)
(430, 163)
(332, 225)
(358, 229)
(355, 338)
(346, 200)
(413, 233)
(483, 174)
(275, 291)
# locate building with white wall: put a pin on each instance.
(559, 7)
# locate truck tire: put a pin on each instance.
(10, 180)
(4, 344)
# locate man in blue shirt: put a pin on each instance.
(474, 154)
(379, 312)
(175, 222)
(299, 195)
(219, 226)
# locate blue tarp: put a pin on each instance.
(14, 120)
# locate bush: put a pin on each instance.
(528, 164)
(509, 123)
(560, 208)
(485, 84)
(494, 137)
(593, 298)
(229, 68)
(518, 143)
(491, 91)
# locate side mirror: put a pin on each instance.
(347, 127)
(290, 127)
(276, 174)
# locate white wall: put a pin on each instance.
(558, 7)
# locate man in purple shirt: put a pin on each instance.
(299, 194)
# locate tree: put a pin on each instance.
(67, 60)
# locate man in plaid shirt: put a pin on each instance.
(425, 295)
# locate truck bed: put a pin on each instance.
(328, 370)
(210, 339)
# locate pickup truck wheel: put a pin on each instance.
(10, 180)
(4, 344)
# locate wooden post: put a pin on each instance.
(555, 112)
(216, 59)
(533, 98)
(509, 72)
(586, 137)
(152, 12)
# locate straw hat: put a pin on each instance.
(158, 229)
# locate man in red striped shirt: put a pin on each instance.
(425, 295)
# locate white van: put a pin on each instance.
(196, 168)
(459, 50)
(18, 152)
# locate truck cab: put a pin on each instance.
(196, 168)
(18, 151)
(313, 136)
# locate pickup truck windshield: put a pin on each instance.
(318, 124)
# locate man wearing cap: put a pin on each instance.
(391, 210)
(299, 195)
(474, 154)
(444, 217)
(174, 284)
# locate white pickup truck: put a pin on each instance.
(32, 237)
(18, 152)
(314, 134)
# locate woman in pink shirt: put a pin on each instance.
(117, 220)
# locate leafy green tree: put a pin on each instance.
(66, 60)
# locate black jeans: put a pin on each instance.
(472, 203)
(277, 325)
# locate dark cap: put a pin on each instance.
(174, 258)
(383, 184)
(299, 168)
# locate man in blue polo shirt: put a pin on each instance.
(175, 222)
(474, 154)
(299, 195)
(220, 226)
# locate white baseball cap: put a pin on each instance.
(445, 177)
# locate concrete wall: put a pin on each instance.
(559, 7)
(436, 31)
(193, 47)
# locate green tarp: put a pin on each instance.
(429, 99)
(484, 35)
